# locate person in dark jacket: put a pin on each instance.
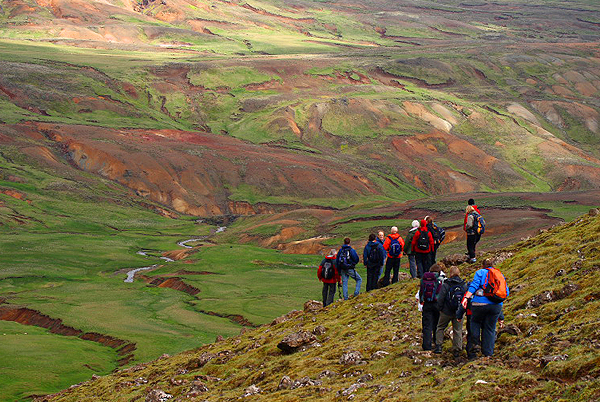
(345, 261)
(429, 313)
(422, 253)
(412, 262)
(373, 255)
(471, 228)
(448, 303)
(329, 283)
(485, 313)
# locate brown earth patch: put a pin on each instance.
(174, 283)
(31, 317)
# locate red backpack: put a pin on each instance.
(495, 286)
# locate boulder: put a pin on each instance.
(290, 343)
(351, 358)
(251, 390)
(158, 395)
(285, 383)
(455, 259)
(547, 359)
(312, 306)
(319, 330)
(285, 317)
(594, 212)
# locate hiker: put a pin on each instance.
(373, 255)
(393, 244)
(428, 293)
(474, 226)
(422, 244)
(345, 262)
(412, 262)
(448, 303)
(438, 233)
(467, 310)
(380, 240)
(488, 290)
(329, 275)
(471, 202)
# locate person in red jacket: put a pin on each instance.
(393, 244)
(422, 244)
(471, 202)
(329, 275)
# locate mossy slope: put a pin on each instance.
(553, 356)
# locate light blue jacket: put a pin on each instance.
(479, 282)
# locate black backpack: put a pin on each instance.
(454, 297)
(344, 260)
(395, 248)
(327, 269)
(374, 256)
(423, 240)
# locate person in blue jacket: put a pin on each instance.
(373, 256)
(485, 313)
(345, 262)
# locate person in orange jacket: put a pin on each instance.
(422, 245)
(329, 275)
(393, 244)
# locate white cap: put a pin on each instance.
(415, 224)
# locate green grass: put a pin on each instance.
(36, 362)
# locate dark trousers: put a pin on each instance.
(423, 263)
(391, 263)
(429, 320)
(483, 325)
(471, 342)
(372, 277)
(328, 293)
(472, 241)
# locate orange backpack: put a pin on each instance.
(495, 286)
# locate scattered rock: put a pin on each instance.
(220, 338)
(312, 306)
(285, 383)
(251, 390)
(305, 382)
(380, 354)
(500, 258)
(366, 378)
(550, 295)
(455, 259)
(544, 361)
(286, 317)
(198, 388)
(351, 358)
(594, 212)
(351, 390)
(290, 343)
(199, 361)
(328, 374)
(481, 382)
(510, 329)
(158, 395)
(560, 272)
(319, 330)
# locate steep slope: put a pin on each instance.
(369, 347)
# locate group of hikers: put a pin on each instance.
(443, 298)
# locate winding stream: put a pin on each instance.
(183, 243)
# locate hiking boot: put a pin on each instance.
(472, 260)
(437, 350)
(456, 354)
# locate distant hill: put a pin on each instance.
(369, 347)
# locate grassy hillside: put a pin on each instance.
(549, 351)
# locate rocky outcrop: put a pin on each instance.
(292, 342)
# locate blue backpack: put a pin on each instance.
(395, 248)
(478, 223)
